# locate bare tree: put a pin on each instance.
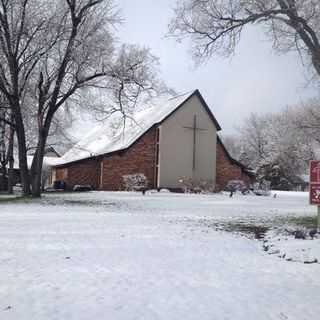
(6, 145)
(49, 52)
(215, 26)
(275, 147)
(254, 139)
(308, 120)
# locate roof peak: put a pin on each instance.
(190, 93)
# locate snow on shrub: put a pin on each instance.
(164, 190)
(190, 185)
(262, 188)
(82, 188)
(134, 182)
(236, 185)
(260, 192)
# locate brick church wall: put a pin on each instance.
(227, 170)
(86, 172)
(139, 158)
(59, 174)
(82, 172)
(109, 169)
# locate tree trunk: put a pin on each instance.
(36, 176)
(22, 147)
(316, 62)
(11, 161)
(37, 163)
(3, 172)
(23, 166)
(3, 163)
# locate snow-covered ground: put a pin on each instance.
(125, 256)
(287, 247)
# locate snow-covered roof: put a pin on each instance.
(47, 161)
(99, 141)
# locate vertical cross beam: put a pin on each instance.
(194, 142)
(194, 128)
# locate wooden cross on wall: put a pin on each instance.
(195, 129)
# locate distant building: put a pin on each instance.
(50, 155)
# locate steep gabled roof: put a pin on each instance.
(99, 142)
(244, 168)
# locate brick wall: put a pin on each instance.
(59, 174)
(140, 158)
(83, 172)
(227, 170)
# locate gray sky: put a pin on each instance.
(254, 80)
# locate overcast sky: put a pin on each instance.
(254, 80)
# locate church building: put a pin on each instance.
(175, 139)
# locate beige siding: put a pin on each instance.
(176, 146)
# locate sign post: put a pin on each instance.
(314, 187)
(318, 225)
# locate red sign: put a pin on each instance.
(314, 188)
(314, 171)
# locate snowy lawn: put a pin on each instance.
(125, 256)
